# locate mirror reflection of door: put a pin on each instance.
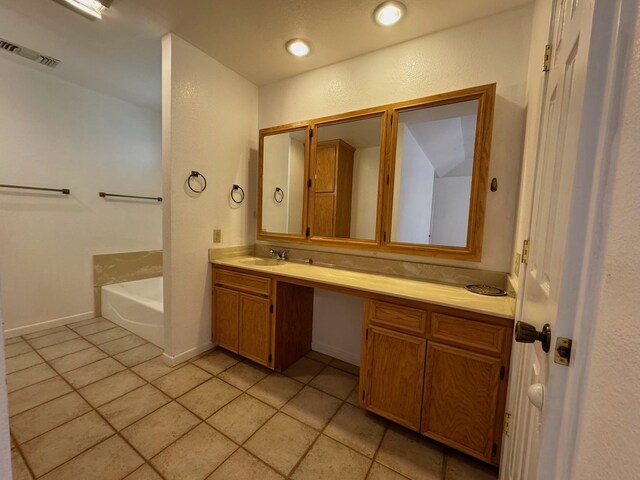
(283, 182)
(433, 172)
(346, 174)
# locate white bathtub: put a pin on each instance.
(136, 306)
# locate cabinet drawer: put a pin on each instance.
(468, 333)
(396, 317)
(242, 281)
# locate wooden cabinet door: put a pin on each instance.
(255, 329)
(325, 168)
(226, 304)
(461, 399)
(324, 215)
(394, 375)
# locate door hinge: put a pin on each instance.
(308, 232)
(270, 358)
(494, 450)
(366, 334)
(271, 308)
(309, 183)
(507, 423)
(546, 66)
(525, 252)
(502, 370)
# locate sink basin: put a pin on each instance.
(262, 262)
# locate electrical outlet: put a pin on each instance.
(217, 235)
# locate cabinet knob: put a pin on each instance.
(527, 333)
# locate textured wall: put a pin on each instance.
(209, 124)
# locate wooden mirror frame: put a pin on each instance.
(472, 251)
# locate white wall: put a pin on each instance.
(364, 195)
(451, 198)
(209, 124)
(57, 134)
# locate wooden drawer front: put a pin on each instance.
(395, 317)
(468, 333)
(242, 281)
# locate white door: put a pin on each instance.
(549, 283)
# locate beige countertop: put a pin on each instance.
(417, 290)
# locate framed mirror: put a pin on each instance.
(282, 182)
(347, 156)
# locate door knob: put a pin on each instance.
(527, 333)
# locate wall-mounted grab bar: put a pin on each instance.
(66, 191)
(103, 194)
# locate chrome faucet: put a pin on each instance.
(278, 255)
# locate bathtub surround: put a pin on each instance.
(209, 124)
(109, 268)
(57, 134)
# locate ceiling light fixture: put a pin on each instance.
(389, 13)
(298, 48)
(91, 9)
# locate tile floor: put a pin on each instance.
(92, 401)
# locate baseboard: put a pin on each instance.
(36, 327)
(174, 360)
(344, 355)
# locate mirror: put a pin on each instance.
(346, 171)
(283, 182)
(434, 164)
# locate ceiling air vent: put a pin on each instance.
(28, 53)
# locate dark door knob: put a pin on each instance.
(527, 333)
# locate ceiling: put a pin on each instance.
(120, 55)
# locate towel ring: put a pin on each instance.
(235, 189)
(278, 195)
(195, 174)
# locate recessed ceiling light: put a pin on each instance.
(298, 47)
(91, 9)
(389, 13)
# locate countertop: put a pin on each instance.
(406, 288)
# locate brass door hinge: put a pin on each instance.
(525, 252)
(507, 422)
(546, 65)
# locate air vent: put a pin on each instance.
(28, 53)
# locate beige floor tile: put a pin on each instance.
(335, 382)
(244, 466)
(138, 355)
(29, 376)
(112, 387)
(462, 467)
(22, 361)
(95, 327)
(52, 339)
(34, 395)
(154, 432)
(18, 467)
(46, 452)
(312, 407)
(145, 472)
(347, 367)
(109, 460)
(208, 398)
(93, 372)
(380, 472)
(125, 410)
(320, 357)
(357, 428)
(16, 348)
(281, 442)
(107, 335)
(64, 348)
(48, 331)
(154, 368)
(28, 425)
(244, 375)
(275, 390)
(239, 419)
(181, 380)
(12, 340)
(77, 360)
(353, 397)
(410, 454)
(82, 323)
(329, 459)
(304, 369)
(195, 455)
(217, 361)
(122, 344)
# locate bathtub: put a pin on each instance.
(136, 306)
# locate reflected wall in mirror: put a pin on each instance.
(283, 182)
(434, 164)
(346, 171)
